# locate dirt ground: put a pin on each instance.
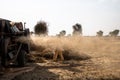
(67, 70)
(100, 62)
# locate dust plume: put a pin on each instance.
(102, 53)
(77, 45)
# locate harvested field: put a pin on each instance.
(86, 58)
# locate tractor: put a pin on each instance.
(13, 51)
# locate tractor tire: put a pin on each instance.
(4, 50)
(21, 58)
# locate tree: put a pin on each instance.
(100, 33)
(41, 28)
(77, 29)
(62, 33)
(114, 33)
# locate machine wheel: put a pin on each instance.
(4, 50)
(21, 58)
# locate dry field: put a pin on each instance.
(86, 58)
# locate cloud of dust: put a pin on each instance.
(80, 44)
(105, 50)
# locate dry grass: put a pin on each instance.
(77, 45)
(87, 58)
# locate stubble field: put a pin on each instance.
(86, 58)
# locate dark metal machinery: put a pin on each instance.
(11, 50)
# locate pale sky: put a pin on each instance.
(93, 15)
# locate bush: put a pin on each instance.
(41, 28)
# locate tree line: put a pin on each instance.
(112, 33)
(41, 28)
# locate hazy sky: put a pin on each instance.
(93, 15)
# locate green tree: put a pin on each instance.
(100, 33)
(41, 28)
(77, 29)
(114, 33)
(62, 33)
